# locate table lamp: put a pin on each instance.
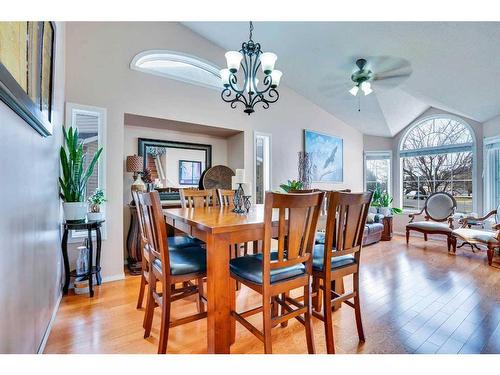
(135, 165)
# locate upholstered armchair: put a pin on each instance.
(439, 209)
(488, 238)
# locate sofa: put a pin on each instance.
(372, 234)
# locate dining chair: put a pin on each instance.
(275, 273)
(192, 198)
(169, 267)
(339, 256)
(174, 242)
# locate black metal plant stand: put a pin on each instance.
(89, 226)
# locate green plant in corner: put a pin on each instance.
(382, 199)
(73, 182)
(291, 185)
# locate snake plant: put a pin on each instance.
(74, 179)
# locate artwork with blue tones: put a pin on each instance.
(327, 152)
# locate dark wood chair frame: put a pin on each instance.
(156, 234)
(300, 229)
(145, 252)
(192, 198)
(346, 219)
(428, 217)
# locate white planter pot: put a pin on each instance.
(75, 211)
(91, 216)
(386, 211)
(372, 210)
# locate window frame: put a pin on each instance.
(385, 153)
(473, 148)
(72, 109)
(257, 134)
(495, 140)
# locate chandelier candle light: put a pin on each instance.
(250, 58)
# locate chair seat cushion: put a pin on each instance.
(429, 226)
(178, 242)
(250, 268)
(475, 235)
(337, 262)
(186, 260)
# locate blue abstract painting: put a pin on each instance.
(327, 153)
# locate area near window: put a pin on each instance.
(437, 155)
(491, 173)
(262, 157)
(378, 170)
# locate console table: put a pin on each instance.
(89, 226)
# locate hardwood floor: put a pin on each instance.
(415, 299)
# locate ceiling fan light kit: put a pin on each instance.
(248, 60)
(361, 79)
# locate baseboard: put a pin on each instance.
(46, 335)
(116, 277)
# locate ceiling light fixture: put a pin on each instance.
(361, 79)
(250, 58)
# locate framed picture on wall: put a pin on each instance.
(327, 153)
(26, 71)
(189, 172)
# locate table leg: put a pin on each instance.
(218, 295)
(64, 246)
(98, 255)
(89, 274)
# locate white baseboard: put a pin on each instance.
(116, 277)
(46, 335)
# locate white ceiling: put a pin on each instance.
(455, 66)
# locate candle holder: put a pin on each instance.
(239, 200)
(247, 203)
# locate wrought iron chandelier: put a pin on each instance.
(250, 58)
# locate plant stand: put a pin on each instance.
(387, 233)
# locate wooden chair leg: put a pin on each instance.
(307, 319)
(327, 313)
(142, 288)
(407, 236)
(448, 243)
(165, 323)
(149, 313)
(245, 248)
(490, 255)
(266, 315)
(425, 236)
(357, 308)
(283, 311)
(316, 300)
(201, 304)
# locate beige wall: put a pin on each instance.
(98, 74)
(30, 260)
(492, 127)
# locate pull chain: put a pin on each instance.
(251, 30)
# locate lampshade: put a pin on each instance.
(267, 60)
(275, 78)
(224, 75)
(233, 59)
(135, 163)
(354, 90)
(366, 87)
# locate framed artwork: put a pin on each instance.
(327, 153)
(189, 172)
(27, 71)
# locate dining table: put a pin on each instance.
(220, 227)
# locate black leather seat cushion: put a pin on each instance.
(186, 260)
(178, 242)
(337, 262)
(250, 268)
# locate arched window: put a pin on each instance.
(437, 155)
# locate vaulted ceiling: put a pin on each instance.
(454, 66)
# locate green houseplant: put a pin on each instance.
(95, 201)
(382, 201)
(73, 182)
(291, 185)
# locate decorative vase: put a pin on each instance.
(82, 262)
(247, 203)
(138, 184)
(75, 211)
(95, 216)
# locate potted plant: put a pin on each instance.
(73, 182)
(95, 201)
(382, 203)
(291, 185)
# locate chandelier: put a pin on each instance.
(250, 58)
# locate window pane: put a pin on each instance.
(377, 173)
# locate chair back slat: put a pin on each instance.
(156, 230)
(225, 197)
(346, 220)
(297, 219)
(192, 198)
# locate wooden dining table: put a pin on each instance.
(220, 228)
